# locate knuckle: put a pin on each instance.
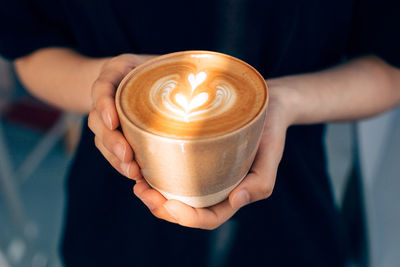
(91, 121)
(266, 190)
(211, 227)
(97, 142)
(114, 60)
(124, 56)
(104, 66)
(128, 56)
(96, 84)
(118, 61)
(135, 169)
(207, 224)
(108, 141)
(103, 103)
(114, 162)
(102, 81)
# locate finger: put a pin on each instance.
(103, 93)
(203, 218)
(104, 88)
(129, 169)
(113, 140)
(152, 199)
(259, 183)
(178, 212)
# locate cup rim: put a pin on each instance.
(122, 115)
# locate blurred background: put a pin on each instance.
(37, 144)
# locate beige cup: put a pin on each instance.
(199, 172)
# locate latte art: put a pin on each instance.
(193, 96)
(190, 105)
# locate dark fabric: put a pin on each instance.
(108, 226)
(375, 30)
(298, 225)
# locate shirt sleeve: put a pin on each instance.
(376, 30)
(28, 25)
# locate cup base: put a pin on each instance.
(201, 201)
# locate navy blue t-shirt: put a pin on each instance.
(106, 225)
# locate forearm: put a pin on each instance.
(354, 90)
(60, 77)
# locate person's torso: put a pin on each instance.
(277, 37)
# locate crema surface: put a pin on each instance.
(193, 95)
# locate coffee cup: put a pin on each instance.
(194, 120)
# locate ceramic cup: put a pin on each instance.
(199, 170)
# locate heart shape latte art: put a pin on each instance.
(171, 96)
(195, 102)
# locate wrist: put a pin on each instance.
(286, 99)
(91, 69)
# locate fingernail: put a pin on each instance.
(126, 166)
(119, 151)
(170, 211)
(107, 119)
(240, 199)
(148, 203)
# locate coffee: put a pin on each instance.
(194, 120)
(191, 96)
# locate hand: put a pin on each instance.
(103, 118)
(257, 185)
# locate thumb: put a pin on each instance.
(260, 181)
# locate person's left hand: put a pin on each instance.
(257, 185)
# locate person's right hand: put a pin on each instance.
(103, 118)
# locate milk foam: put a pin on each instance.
(179, 104)
(193, 95)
